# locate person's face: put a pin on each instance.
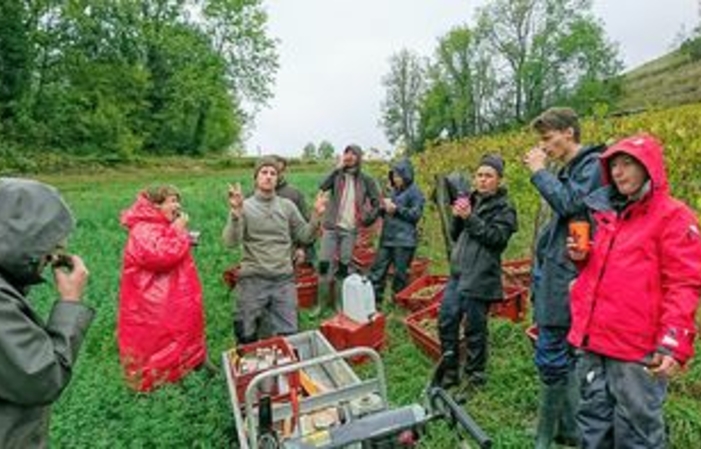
(487, 180)
(397, 181)
(558, 144)
(349, 159)
(627, 173)
(170, 207)
(266, 180)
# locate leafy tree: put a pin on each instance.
(309, 151)
(405, 85)
(325, 150)
(547, 51)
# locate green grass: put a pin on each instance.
(98, 411)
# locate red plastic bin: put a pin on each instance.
(514, 306)
(242, 379)
(363, 257)
(307, 281)
(517, 273)
(428, 342)
(343, 333)
(410, 299)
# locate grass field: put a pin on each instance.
(98, 411)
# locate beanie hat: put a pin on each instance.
(495, 161)
(265, 161)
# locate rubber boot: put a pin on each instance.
(568, 432)
(323, 296)
(552, 402)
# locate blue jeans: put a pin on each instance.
(620, 405)
(554, 356)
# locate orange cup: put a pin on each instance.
(579, 231)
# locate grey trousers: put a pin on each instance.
(265, 307)
(336, 250)
(621, 404)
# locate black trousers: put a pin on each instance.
(400, 258)
(457, 305)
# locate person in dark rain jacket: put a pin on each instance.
(634, 301)
(37, 357)
(401, 213)
(483, 223)
(354, 202)
(564, 193)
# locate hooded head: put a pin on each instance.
(404, 170)
(352, 158)
(647, 151)
(34, 219)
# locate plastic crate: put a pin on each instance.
(514, 306)
(307, 281)
(532, 333)
(363, 257)
(344, 333)
(419, 268)
(517, 273)
(427, 342)
(410, 299)
(242, 379)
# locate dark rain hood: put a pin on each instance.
(404, 170)
(33, 220)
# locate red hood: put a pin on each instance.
(142, 211)
(646, 149)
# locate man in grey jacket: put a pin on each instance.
(36, 357)
(267, 227)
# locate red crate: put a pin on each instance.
(516, 272)
(242, 379)
(363, 257)
(428, 343)
(514, 306)
(419, 268)
(344, 333)
(307, 281)
(408, 298)
(532, 333)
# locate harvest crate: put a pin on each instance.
(363, 257)
(514, 306)
(307, 281)
(243, 372)
(517, 272)
(423, 330)
(344, 333)
(423, 292)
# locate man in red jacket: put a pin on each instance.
(634, 302)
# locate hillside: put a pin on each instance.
(670, 80)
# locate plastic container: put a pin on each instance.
(307, 281)
(363, 257)
(344, 333)
(421, 293)
(427, 340)
(358, 298)
(514, 306)
(243, 373)
(517, 272)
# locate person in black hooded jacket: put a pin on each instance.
(401, 213)
(483, 223)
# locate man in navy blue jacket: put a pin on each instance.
(564, 193)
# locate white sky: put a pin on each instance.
(334, 54)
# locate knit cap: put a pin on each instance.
(495, 161)
(265, 161)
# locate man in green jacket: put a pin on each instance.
(36, 357)
(267, 227)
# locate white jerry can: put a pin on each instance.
(358, 298)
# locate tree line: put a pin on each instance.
(520, 57)
(125, 77)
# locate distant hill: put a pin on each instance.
(671, 80)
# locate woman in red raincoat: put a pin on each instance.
(160, 324)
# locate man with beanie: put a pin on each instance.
(564, 193)
(267, 227)
(482, 224)
(354, 202)
(37, 357)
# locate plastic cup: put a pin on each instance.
(579, 231)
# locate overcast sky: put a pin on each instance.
(334, 53)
